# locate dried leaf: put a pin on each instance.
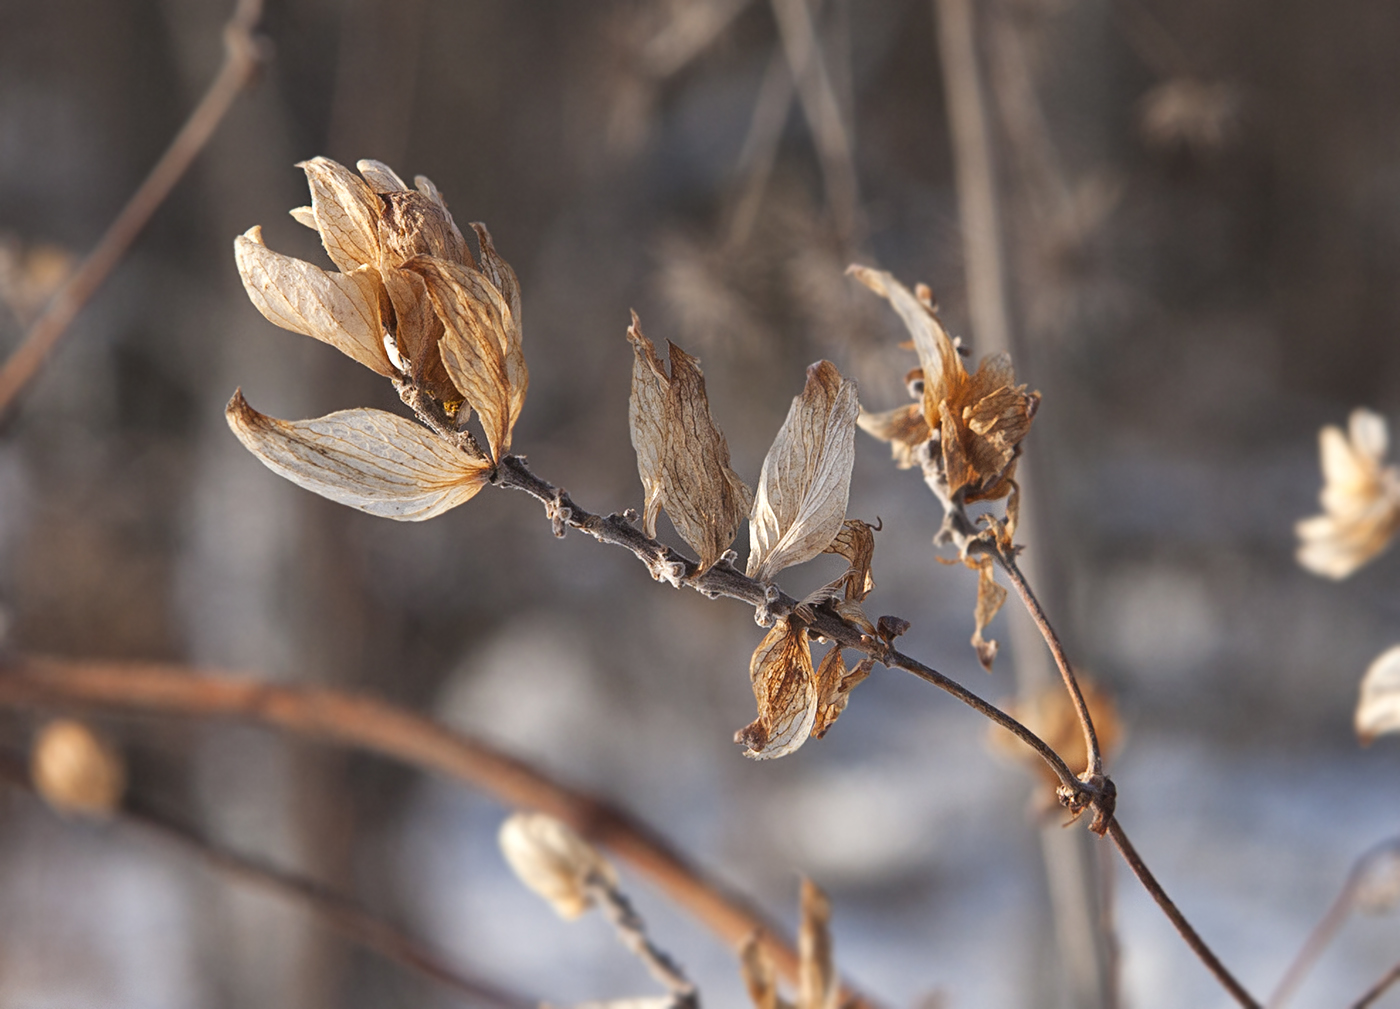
(903, 427)
(341, 309)
(346, 213)
(1378, 710)
(705, 499)
(75, 771)
(646, 416)
(806, 478)
(817, 983)
(375, 461)
(834, 686)
(785, 687)
(417, 332)
(990, 596)
(471, 310)
(760, 976)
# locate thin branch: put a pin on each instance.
(373, 725)
(338, 913)
(724, 579)
(1378, 989)
(1091, 740)
(241, 61)
(633, 934)
(1198, 945)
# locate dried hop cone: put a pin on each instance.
(409, 301)
(551, 859)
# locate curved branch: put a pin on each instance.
(1198, 945)
(366, 723)
(241, 61)
(335, 911)
(1091, 740)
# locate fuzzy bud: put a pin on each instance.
(75, 772)
(551, 859)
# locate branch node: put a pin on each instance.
(559, 513)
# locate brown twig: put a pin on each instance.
(1007, 560)
(724, 579)
(1198, 946)
(1378, 989)
(241, 60)
(369, 724)
(337, 912)
(633, 934)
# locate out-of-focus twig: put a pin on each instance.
(335, 911)
(760, 150)
(1373, 883)
(1378, 989)
(822, 110)
(1198, 945)
(376, 726)
(689, 32)
(241, 60)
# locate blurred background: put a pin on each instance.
(1201, 224)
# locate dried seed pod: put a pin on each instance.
(76, 772)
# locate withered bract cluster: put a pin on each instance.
(409, 301)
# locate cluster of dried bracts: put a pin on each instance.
(410, 301)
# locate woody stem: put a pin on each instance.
(1007, 560)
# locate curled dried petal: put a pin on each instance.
(806, 479)
(375, 461)
(411, 224)
(1360, 500)
(990, 597)
(856, 543)
(472, 313)
(760, 976)
(381, 177)
(903, 427)
(834, 685)
(341, 309)
(346, 213)
(784, 685)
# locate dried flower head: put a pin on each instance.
(978, 420)
(1360, 499)
(409, 301)
(75, 771)
(551, 859)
